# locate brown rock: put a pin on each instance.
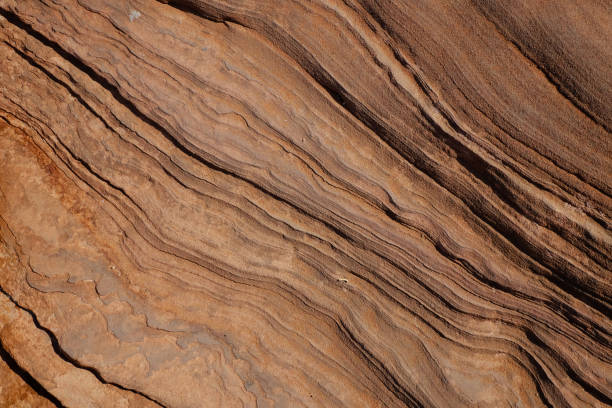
(330, 203)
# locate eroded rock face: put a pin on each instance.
(326, 203)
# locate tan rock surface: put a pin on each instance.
(16, 392)
(305, 203)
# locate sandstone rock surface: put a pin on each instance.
(323, 203)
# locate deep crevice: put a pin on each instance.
(27, 377)
(66, 357)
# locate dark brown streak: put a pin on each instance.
(66, 357)
(27, 377)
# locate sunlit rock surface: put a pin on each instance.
(326, 203)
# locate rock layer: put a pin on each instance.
(326, 203)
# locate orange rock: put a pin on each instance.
(330, 203)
